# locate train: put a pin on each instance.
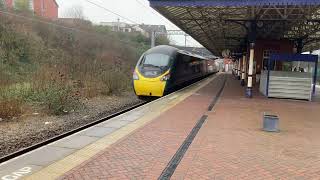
(163, 69)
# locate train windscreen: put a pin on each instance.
(153, 65)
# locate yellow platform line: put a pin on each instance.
(155, 109)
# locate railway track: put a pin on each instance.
(66, 134)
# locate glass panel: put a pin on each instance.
(156, 60)
(266, 57)
(153, 65)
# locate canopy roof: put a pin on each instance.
(224, 24)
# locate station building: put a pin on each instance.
(265, 39)
(45, 8)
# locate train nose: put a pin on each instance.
(149, 88)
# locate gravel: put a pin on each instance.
(25, 131)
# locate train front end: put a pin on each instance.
(152, 73)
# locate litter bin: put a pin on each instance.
(270, 123)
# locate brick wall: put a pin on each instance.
(9, 3)
(46, 8)
(281, 46)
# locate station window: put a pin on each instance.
(266, 57)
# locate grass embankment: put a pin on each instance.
(51, 69)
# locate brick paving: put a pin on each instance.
(145, 153)
(230, 144)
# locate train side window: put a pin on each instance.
(186, 62)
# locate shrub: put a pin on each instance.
(10, 108)
(48, 90)
(114, 82)
(52, 67)
(55, 100)
(53, 91)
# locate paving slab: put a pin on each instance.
(114, 124)
(36, 159)
(75, 141)
(98, 131)
(131, 117)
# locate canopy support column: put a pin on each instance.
(315, 79)
(239, 69)
(244, 65)
(252, 40)
(250, 73)
(299, 46)
(236, 68)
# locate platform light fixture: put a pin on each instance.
(260, 24)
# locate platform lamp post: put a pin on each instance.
(243, 76)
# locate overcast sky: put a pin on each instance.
(131, 9)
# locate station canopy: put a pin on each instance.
(224, 24)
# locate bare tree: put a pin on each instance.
(74, 16)
(75, 12)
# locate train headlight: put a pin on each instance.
(165, 78)
(135, 76)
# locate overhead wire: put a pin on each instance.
(149, 9)
(110, 11)
(132, 21)
(157, 14)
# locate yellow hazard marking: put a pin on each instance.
(155, 109)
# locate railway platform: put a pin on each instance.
(206, 131)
